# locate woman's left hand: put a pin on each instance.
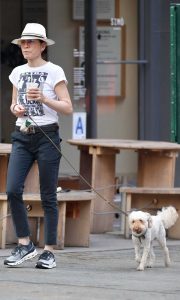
(35, 94)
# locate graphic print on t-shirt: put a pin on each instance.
(33, 107)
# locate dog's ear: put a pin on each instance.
(149, 220)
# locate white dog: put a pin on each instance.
(145, 228)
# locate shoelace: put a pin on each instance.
(18, 249)
(46, 255)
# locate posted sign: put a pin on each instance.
(79, 125)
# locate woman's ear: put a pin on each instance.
(43, 46)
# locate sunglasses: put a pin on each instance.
(26, 42)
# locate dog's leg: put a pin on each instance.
(151, 257)
(146, 250)
(144, 258)
(162, 242)
(137, 249)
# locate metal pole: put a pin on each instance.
(141, 71)
(90, 67)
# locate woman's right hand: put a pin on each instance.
(18, 110)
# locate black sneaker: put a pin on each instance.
(20, 254)
(46, 260)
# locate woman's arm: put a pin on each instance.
(63, 105)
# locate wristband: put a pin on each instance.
(14, 107)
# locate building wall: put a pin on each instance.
(61, 28)
(117, 120)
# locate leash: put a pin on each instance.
(28, 208)
(4, 217)
(77, 173)
(117, 208)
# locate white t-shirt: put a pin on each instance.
(44, 77)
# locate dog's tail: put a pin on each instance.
(168, 216)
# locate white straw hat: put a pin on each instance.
(34, 31)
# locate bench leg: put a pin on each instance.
(61, 226)
(73, 225)
(41, 233)
(60, 229)
(123, 217)
(3, 214)
(77, 230)
(128, 208)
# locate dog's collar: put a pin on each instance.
(141, 235)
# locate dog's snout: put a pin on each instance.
(138, 230)
(137, 227)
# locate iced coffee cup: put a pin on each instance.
(29, 86)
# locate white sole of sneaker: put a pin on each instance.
(28, 256)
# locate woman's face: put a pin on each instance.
(32, 49)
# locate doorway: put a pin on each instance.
(13, 17)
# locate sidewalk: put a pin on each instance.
(105, 271)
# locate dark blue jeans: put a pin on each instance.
(26, 148)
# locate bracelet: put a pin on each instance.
(13, 107)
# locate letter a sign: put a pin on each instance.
(79, 125)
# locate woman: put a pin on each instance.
(39, 94)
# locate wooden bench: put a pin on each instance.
(73, 223)
(151, 200)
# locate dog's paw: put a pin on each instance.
(167, 263)
(140, 268)
(149, 264)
